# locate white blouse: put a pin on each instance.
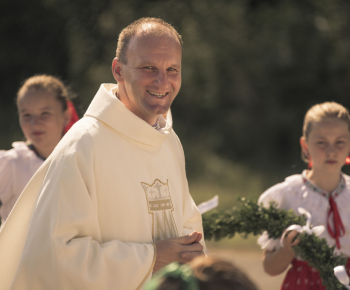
(297, 191)
(17, 166)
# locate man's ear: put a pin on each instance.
(117, 70)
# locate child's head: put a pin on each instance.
(326, 130)
(213, 272)
(203, 273)
(43, 112)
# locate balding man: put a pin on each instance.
(111, 204)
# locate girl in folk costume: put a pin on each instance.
(45, 115)
(322, 190)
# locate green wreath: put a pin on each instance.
(251, 218)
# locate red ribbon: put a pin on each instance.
(339, 229)
(347, 267)
(73, 116)
(347, 160)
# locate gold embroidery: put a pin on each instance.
(161, 207)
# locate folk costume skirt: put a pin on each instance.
(302, 277)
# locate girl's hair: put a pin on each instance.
(206, 273)
(215, 273)
(320, 112)
(45, 83)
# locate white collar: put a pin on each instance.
(161, 125)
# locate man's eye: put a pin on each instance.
(148, 67)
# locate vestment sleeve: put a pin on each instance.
(192, 216)
(64, 248)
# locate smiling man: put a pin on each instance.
(111, 205)
(149, 71)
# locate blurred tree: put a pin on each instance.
(33, 42)
(251, 69)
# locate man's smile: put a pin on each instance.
(157, 95)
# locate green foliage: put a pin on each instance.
(33, 41)
(250, 68)
(251, 218)
(320, 256)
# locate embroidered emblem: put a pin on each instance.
(161, 207)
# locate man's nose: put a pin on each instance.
(162, 79)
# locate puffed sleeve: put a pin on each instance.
(6, 181)
(273, 194)
(61, 247)
(5, 174)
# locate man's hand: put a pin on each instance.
(182, 250)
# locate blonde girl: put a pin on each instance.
(323, 190)
(45, 114)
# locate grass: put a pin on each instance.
(237, 242)
(230, 181)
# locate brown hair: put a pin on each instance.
(138, 26)
(214, 273)
(320, 112)
(211, 273)
(45, 83)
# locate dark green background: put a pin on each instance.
(251, 69)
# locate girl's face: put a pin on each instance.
(328, 144)
(42, 120)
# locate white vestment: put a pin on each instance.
(89, 217)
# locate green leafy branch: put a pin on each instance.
(251, 218)
(321, 257)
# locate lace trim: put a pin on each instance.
(321, 192)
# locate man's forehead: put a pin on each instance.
(151, 29)
(153, 51)
(143, 43)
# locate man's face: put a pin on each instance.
(151, 79)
